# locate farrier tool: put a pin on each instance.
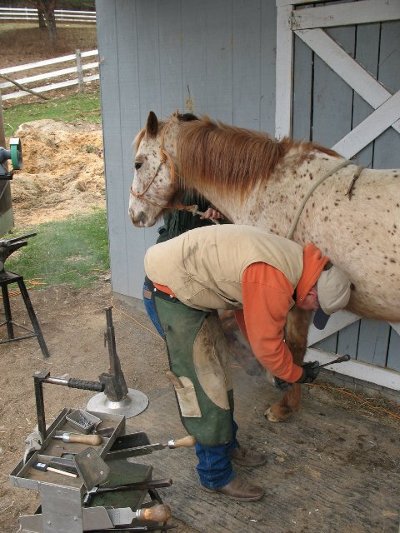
(116, 398)
(92, 440)
(136, 444)
(44, 467)
(341, 359)
(125, 515)
(145, 485)
(35, 440)
(284, 385)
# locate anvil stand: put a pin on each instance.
(7, 246)
(116, 398)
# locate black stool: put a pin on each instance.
(6, 278)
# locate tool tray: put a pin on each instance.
(25, 476)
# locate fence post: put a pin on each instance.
(79, 69)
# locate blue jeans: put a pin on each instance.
(148, 300)
(215, 466)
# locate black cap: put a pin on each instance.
(320, 318)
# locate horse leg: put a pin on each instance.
(297, 325)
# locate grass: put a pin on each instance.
(76, 108)
(73, 252)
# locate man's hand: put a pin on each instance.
(310, 372)
(211, 214)
(281, 384)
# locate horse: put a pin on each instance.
(296, 189)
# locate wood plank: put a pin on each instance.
(219, 56)
(328, 344)
(373, 342)
(393, 360)
(370, 128)
(367, 51)
(170, 44)
(332, 98)
(284, 73)
(246, 56)
(268, 67)
(194, 61)
(302, 90)
(130, 122)
(387, 146)
(148, 52)
(111, 116)
(362, 12)
(348, 339)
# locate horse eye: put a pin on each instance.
(138, 165)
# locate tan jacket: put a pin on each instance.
(204, 267)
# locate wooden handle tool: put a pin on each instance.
(184, 442)
(157, 513)
(92, 440)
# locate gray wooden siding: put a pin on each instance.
(214, 56)
(325, 108)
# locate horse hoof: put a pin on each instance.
(271, 417)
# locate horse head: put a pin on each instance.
(154, 185)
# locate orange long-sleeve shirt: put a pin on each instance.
(267, 299)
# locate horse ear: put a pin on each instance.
(152, 124)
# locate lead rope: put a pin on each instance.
(312, 189)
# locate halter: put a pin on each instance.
(164, 158)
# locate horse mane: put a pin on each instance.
(228, 157)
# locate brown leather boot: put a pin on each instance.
(240, 489)
(245, 457)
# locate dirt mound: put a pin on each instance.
(63, 172)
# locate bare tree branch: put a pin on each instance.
(23, 88)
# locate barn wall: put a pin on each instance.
(214, 56)
(325, 109)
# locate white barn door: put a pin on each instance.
(307, 22)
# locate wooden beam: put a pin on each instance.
(363, 12)
(347, 68)
(370, 128)
(284, 73)
(396, 326)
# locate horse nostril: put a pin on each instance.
(142, 217)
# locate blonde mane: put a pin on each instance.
(229, 157)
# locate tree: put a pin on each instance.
(46, 12)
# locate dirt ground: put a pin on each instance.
(334, 467)
(62, 174)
